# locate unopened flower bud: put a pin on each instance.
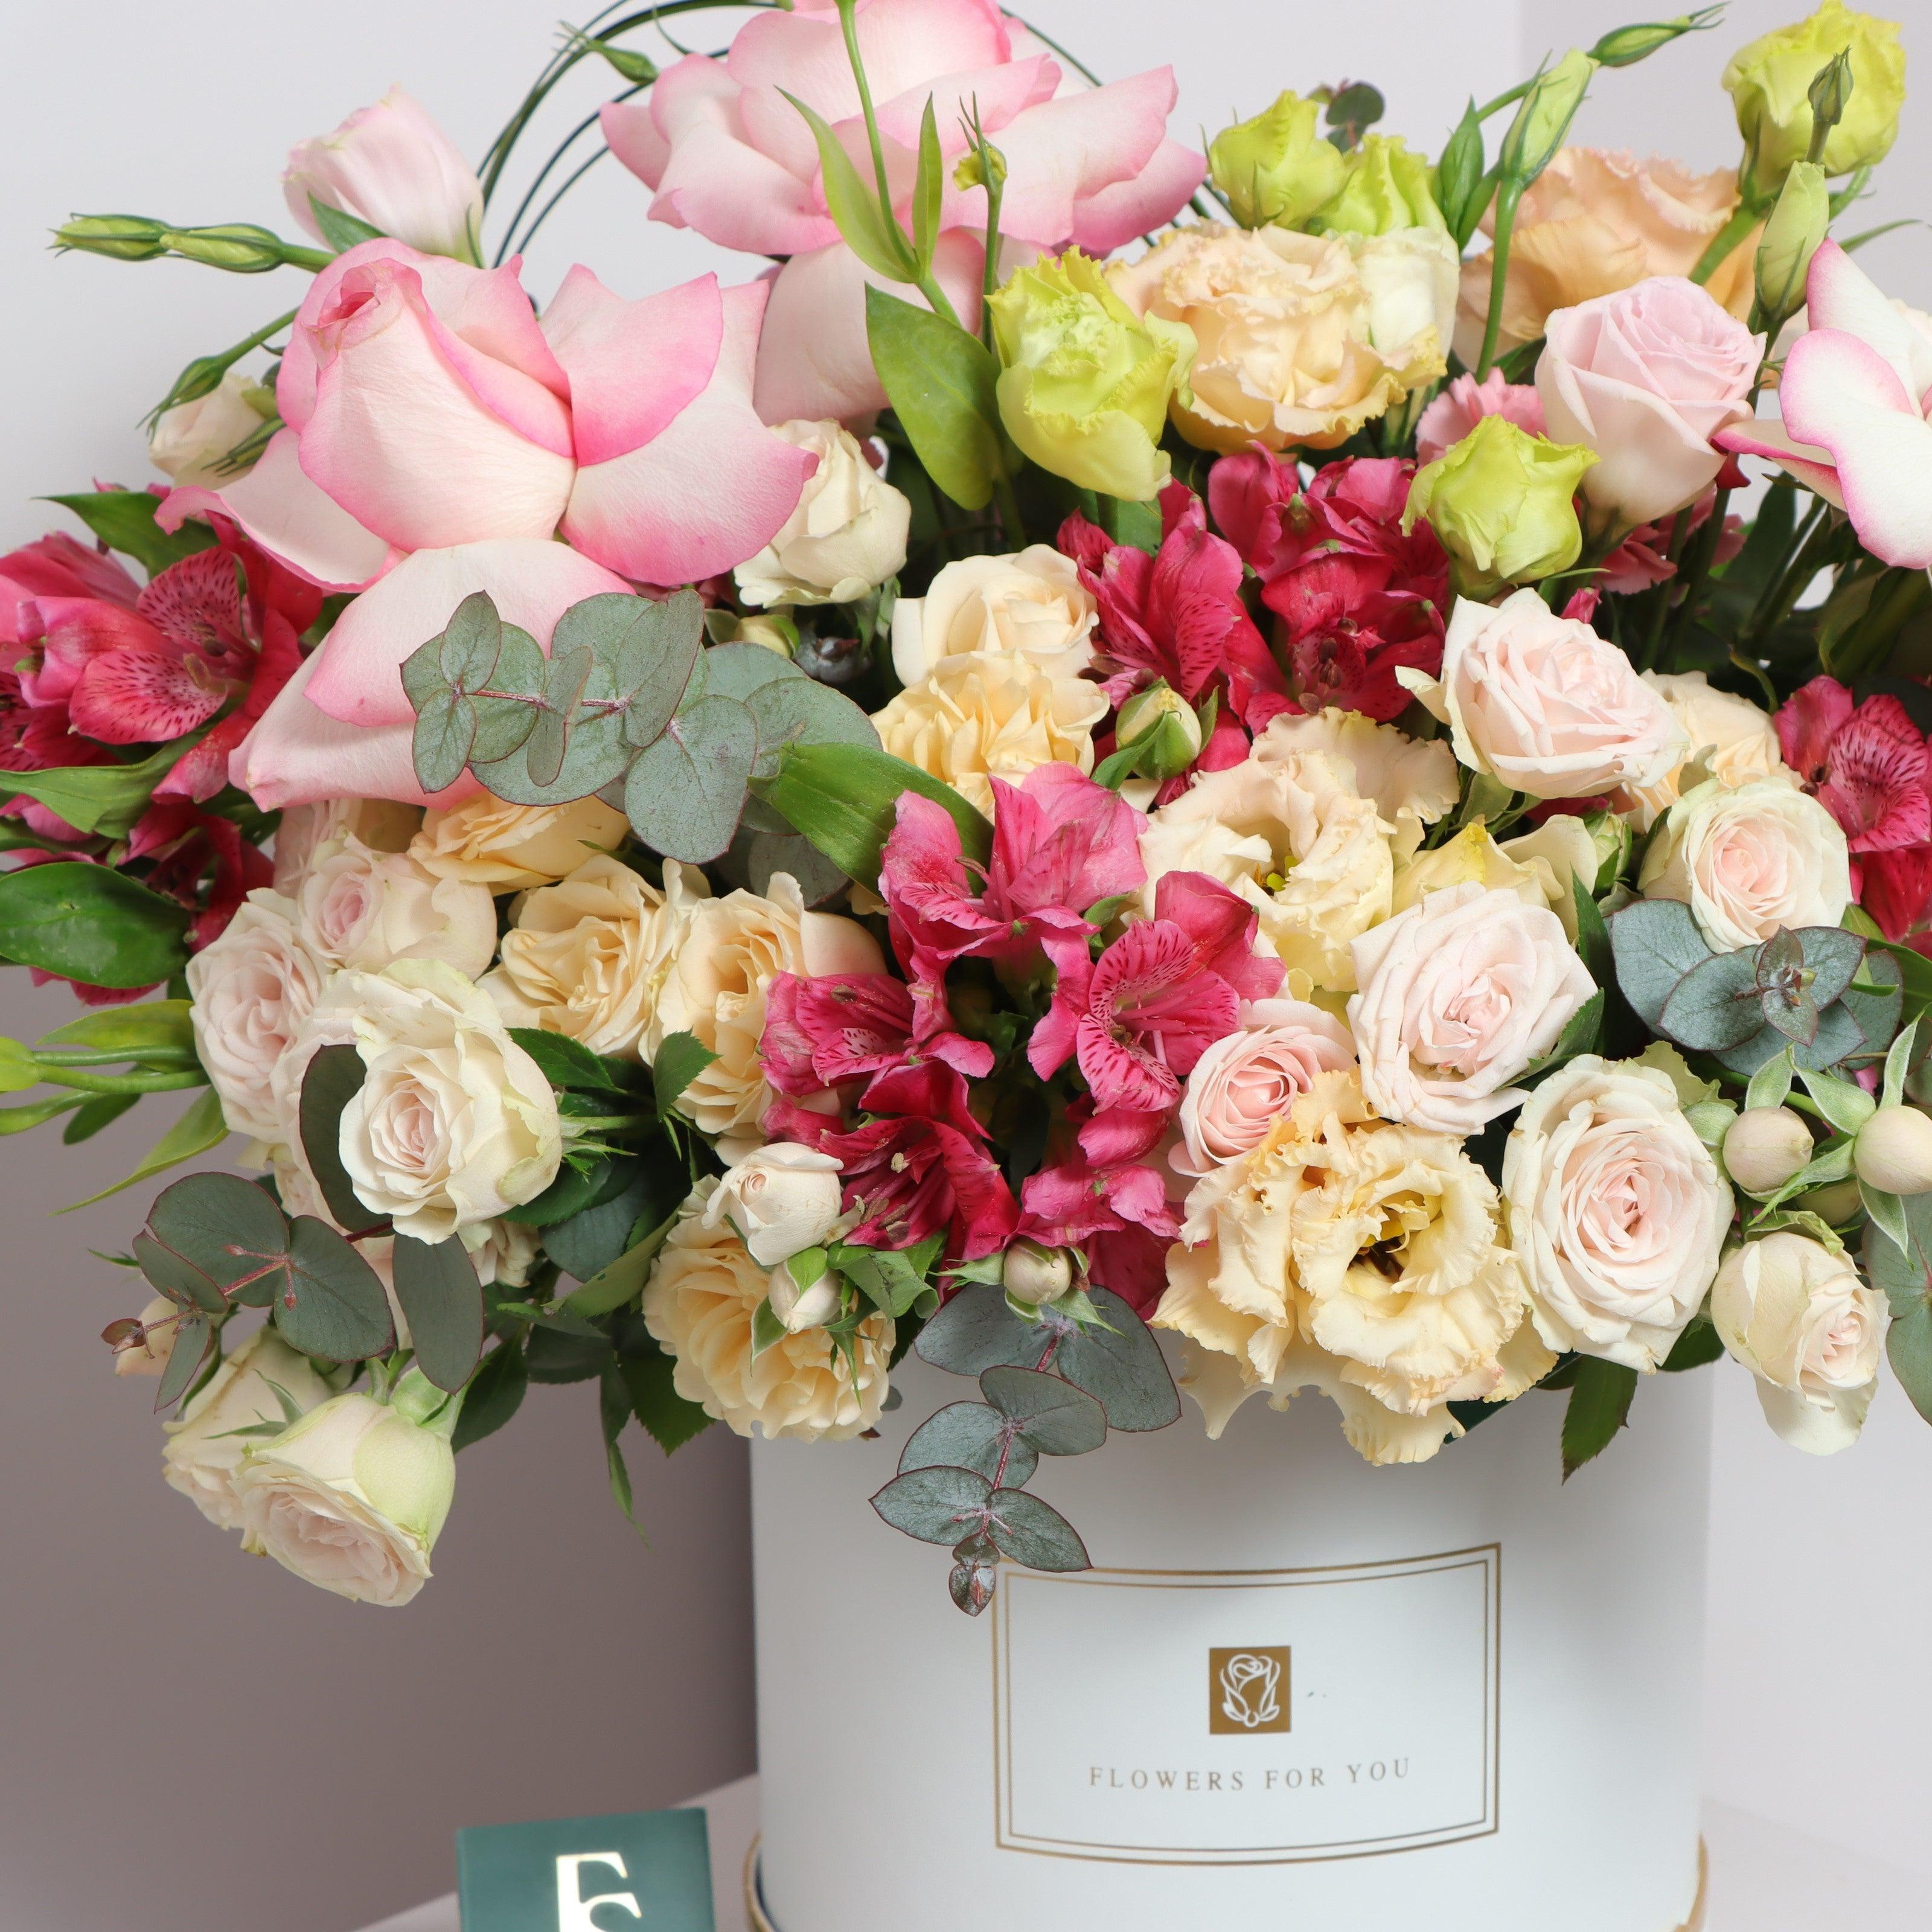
(1034, 1274)
(1765, 1146)
(976, 1574)
(808, 1304)
(971, 172)
(239, 246)
(1163, 724)
(1791, 238)
(1542, 121)
(1625, 46)
(1836, 1203)
(1277, 167)
(782, 1199)
(1893, 1152)
(775, 632)
(1612, 836)
(121, 237)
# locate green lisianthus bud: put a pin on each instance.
(239, 246)
(1542, 123)
(1384, 186)
(1085, 383)
(1791, 238)
(1503, 504)
(1279, 167)
(121, 237)
(1612, 836)
(1771, 83)
(1625, 46)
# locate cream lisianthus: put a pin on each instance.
(455, 1123)
(510, 848)
(1797, 1315)
(203, 1452)
(847, 536)
(1413, 781)
(1749, 860)
(1293, 837)
(1460, 994)
(251, 991)
(353, 1496)
(1539, 868)
(1359, 1258)
(1302, 339)
(983, 715)
(703, 1290)
(728, 952)
(1730, 738)
(358, 906)
(1615, 1209)
(589, 955)
(1032, 602)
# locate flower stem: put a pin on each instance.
(1727, 238)
(1508, 193)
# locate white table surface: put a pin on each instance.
(1764, 1878)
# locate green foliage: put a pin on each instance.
(124, 520)
(92, 924)
(972, 1436)
(341, 230)
(940, 381)
(333, 1079)
(441, 1301)
(495, 1393)
(1698, 1344)
(105, 798)
(668, 1418)
(199, 1128)
(1600, 1401)
(1904, 1272)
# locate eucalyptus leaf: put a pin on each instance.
(332, 1304)
(194, 1336)
(737, 669)
(1903, 1272)
(333, 1078)
(1034, 1533)
(1058, 1419)
(441, 1301)
(969, 1436)
(594, 753)
(976, 1331)
(467, 651)
(1654, 942)
(1122, 1366)
(174, 1277)
(1714, 1005)
(937, 1505)
(1833, 956)
(799, 711)
(646, 647)
(686, 792)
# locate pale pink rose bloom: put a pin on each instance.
(427, 408)
(1646, 377)
(1544, 703)
(392, 166)
(1246, 1082)
(1856, 393)
(1460, 994)
(342, 727)
(728, 155)
(1464, 402)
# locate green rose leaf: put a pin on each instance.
(1057, 1418)
(1600, 1401)
(943, 384)
(969, 1436)
(566, 1062)
(937, 1505)
(685, 792)
(495, 1394)
(1699, 1344)
(1034, 1533)
(623, 1280)
(90, 923)
(681, 1057)
(1654, 942)
(669, 1419)
(442, 1302)
(600, 1236)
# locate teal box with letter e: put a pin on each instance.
(636, 1871)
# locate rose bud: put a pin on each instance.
(1764, 1147)
(1893, 1152)
(782, 1199)
(1034, 1274)
(802, 1305)
(1163, 724)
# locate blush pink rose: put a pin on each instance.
(342, 727)
(427, 408)
(728, 155)
(1245, 1083)
(1646, 377)
(1464, 402)
(1544, 703)
(1459, 995)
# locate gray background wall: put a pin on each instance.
(190, 1740)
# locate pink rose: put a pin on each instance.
(1646, 377)
(1465, 402)
(729, 156)
(392, 166)
(1243, 1083)
(1544, 703)
(427, 408)
(342, 727)
(1460, 994)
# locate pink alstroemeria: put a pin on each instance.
(1060, 844)
(1895, 887)
(1178, 614)
(1865, 763)
(1119, 1217)
(427, 408)
(910, 1178)
(1856, 395)
(822, 1033)
(728, 155)
(1137, 1018)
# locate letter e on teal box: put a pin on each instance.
(635, 1871)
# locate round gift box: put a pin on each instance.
(1294, 1689)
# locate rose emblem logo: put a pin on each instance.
(1250, 1690)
